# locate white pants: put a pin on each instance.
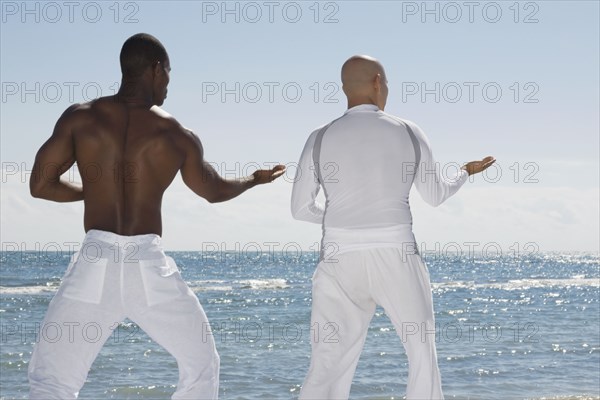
(111, 278)
(346, 290)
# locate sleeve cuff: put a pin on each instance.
(462, 177)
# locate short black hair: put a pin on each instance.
(139, 52)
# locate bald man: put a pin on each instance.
(366, 161)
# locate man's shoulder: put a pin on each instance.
(320, 127)
(184, 136)
(164, 116)
(88, 109)
(78, 112)
(312, 136)
(160, 113)
(394, 118)
(401, 122)
(324, 126)
(168, 121)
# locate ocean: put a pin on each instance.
(507, 327)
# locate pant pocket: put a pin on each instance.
(162, 281)
(84, 280)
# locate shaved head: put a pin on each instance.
(360, 71)
(363, 80)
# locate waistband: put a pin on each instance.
(344, 239)
(122, 240)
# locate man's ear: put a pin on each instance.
(344, 89)
(377, 83)
(156, 68)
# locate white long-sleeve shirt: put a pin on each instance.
(367, 163)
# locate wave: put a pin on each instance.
(196, 286)
(259, 284)
(32, 289)
(252, 284)
(521, 284)
(210, 285)
(281, 283)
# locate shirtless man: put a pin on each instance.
(366, 161)
(128, 151)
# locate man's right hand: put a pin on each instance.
(475, 167)
(268, 175)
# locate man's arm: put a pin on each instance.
(202, 178)
(306, 187)
(433, 187)
(53, 159)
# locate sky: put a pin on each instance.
(516, 80)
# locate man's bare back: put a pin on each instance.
(127, 155)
